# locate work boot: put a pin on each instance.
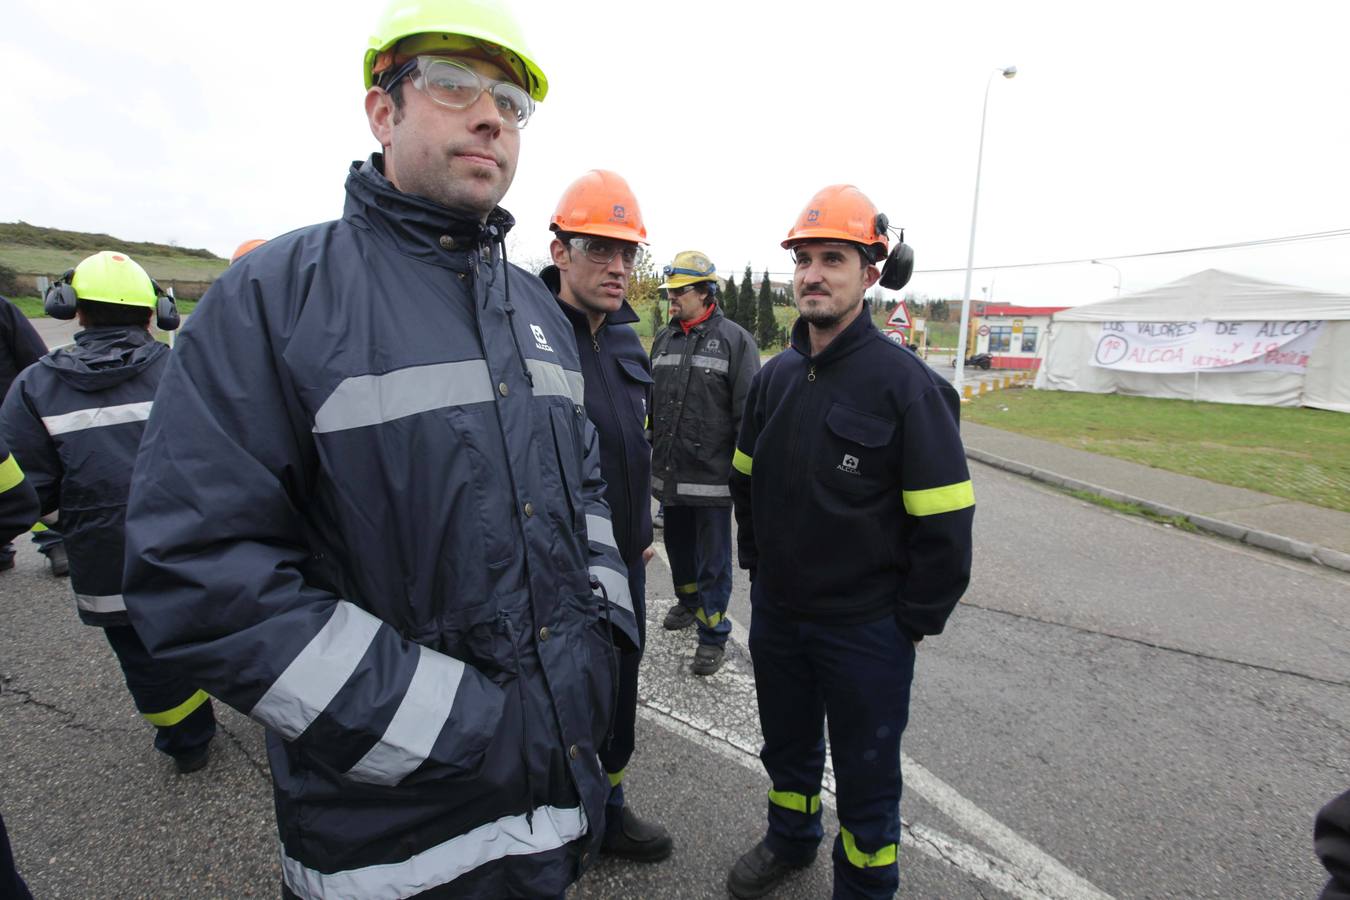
(758, 870)
(632, 838)
(194, 761)
(707, 659)
(679, 617)
(57, 561)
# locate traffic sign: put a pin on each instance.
(900, 317)
(898, 337)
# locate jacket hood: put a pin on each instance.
(552, 278)
(420, 228)
(103, 357)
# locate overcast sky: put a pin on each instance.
(1131, 127)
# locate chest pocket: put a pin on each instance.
(852, 456)
(637, 385)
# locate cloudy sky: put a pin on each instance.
(1130, 128)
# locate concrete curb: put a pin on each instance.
(1325, 556)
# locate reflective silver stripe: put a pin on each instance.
(101, 603)
(371, 399)
(320, 670)
(668, 359)
(658, 484)
(552, 380)
(710, 362)
(443, 863)
(600, 530)
(703, 490)
(97, 417)
(408, 740)
(616, 586)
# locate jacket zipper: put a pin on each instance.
(794, 483)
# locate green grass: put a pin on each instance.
(1300, 454)
(55, 260)
(31, 307)
(1134, 509)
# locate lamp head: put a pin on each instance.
(1010, 71)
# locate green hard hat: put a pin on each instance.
(485, 21)
(112, 277)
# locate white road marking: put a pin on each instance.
(1025, 871)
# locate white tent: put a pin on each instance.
(1289, 346)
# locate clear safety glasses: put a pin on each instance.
(455, 85)
(602, 250)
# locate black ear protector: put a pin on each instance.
(61, 302)
(899, 266)
(166, 310)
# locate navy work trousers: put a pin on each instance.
(182, 715)
(618, 750)
(698, 542)
(859, 677)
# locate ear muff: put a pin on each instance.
(899, 267)
(60, 301)
(166, 311)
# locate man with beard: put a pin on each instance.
(361, 511)
(854, 509)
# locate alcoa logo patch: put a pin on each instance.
(539, 340)
(813, 216)
(619, 212)
(849, 465)
(712, 344)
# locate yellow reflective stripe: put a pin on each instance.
(711, 621)
(883, 857)
(933, 501)
(742, 462)
(10, 474)
(38, 528)
(178, 713)
(687, 588)
(795, 802)
(616, 777)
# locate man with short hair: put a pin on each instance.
(362, 516)
(702, 362)
(854, 509)
(598, 235)
(74, 421)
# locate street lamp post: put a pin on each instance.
(1009, 72)
(1119, 277)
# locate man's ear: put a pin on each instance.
(558, 250)
(380, 112)
(871, 275)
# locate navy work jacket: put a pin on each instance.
(618, 396)
(361, 516)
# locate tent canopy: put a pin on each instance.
(1215, 295)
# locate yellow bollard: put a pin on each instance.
(966, 392)
(984, 387)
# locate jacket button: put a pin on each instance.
(447, 242)
(503, 389)
(543, 633)
(529, 509)
(573, 752)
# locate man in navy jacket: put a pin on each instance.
(368, 510)
(598, 236)
(854, 508)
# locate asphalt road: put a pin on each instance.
(1118, 709)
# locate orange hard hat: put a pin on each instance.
(600, 203)
(245, 247)
(841, 212)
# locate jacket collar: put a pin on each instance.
(551, 277)
(844, 343)
(703, 324)
(421, 228)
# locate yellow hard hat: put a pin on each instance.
(689, 267)
(112, 277)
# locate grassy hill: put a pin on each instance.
(31, 250)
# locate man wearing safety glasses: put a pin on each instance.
(703, 363)
(368, 509)
(598, 235)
